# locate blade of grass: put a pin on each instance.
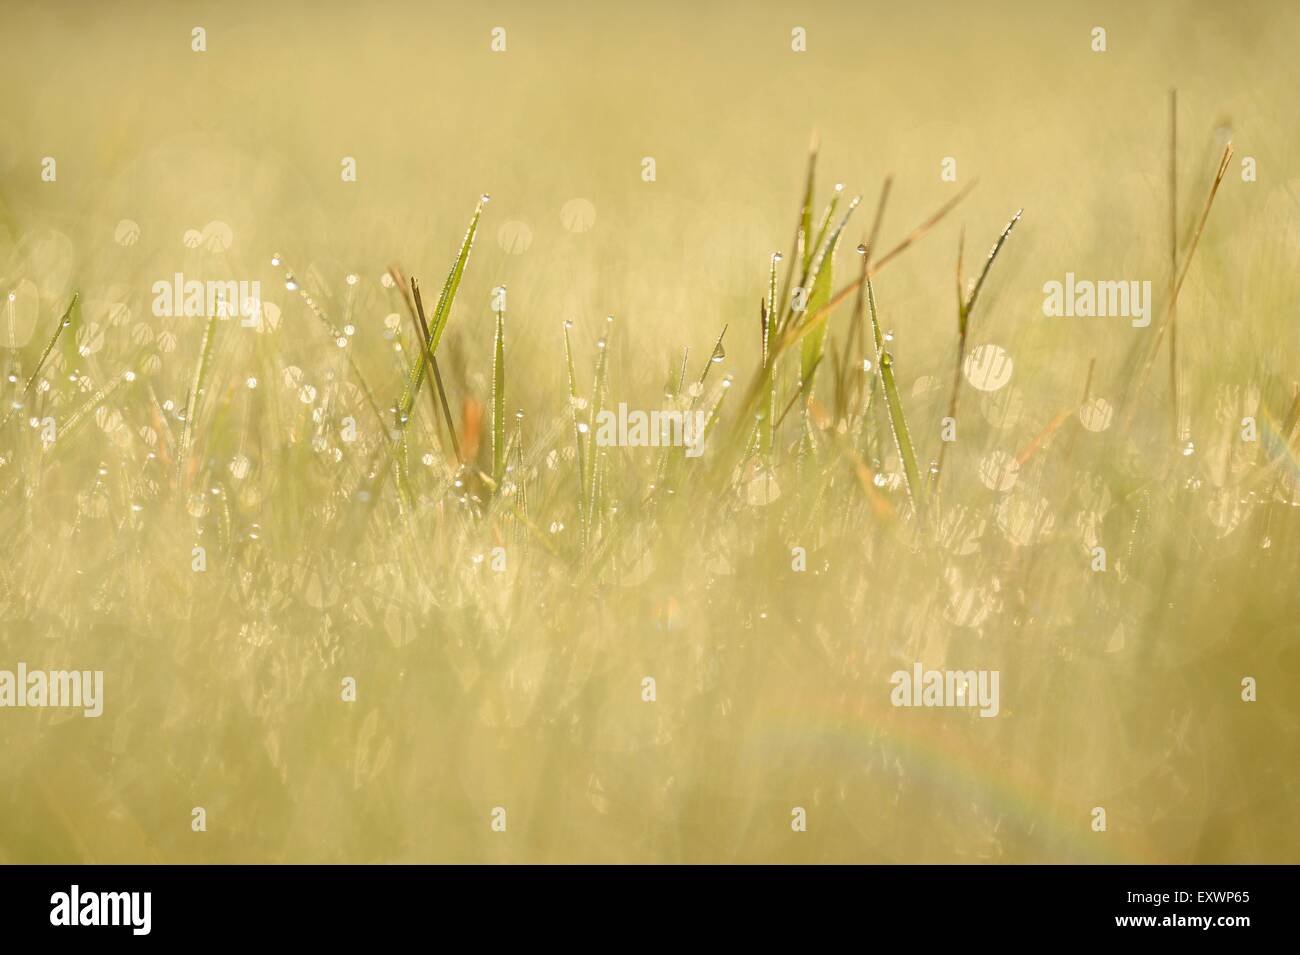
(442, 312)
(766, 429)
(579, 440)
(865, 249)
(593, 413)
(499, 398)
(64, 322)
(964, 310)
(448, 296)
(437, 375)
(196, 384)
(803, 224)
(855, 332)
(715, 356)
(894, 407)
(1140, 380)
(823, 270)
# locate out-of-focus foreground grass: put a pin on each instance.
(480, 687)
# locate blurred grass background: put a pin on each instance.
(523, 691)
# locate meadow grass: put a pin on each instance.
(520, 684)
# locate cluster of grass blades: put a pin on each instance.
(500, 586)
(794, 312)
(799, 314)
(783, 421)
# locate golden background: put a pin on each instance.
(523, 691)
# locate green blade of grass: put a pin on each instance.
(715, 356)
(969, 306)
(438, 325)
(894, 408)
(196, 384)
(499, 398)
(578, 440)
(964, 309)
(842, 388)
(766, 431)
(823, 227)
(594, 457)
(437, 377)
(819, 300)
(65, 321)
(803, 248)
(448, 296)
